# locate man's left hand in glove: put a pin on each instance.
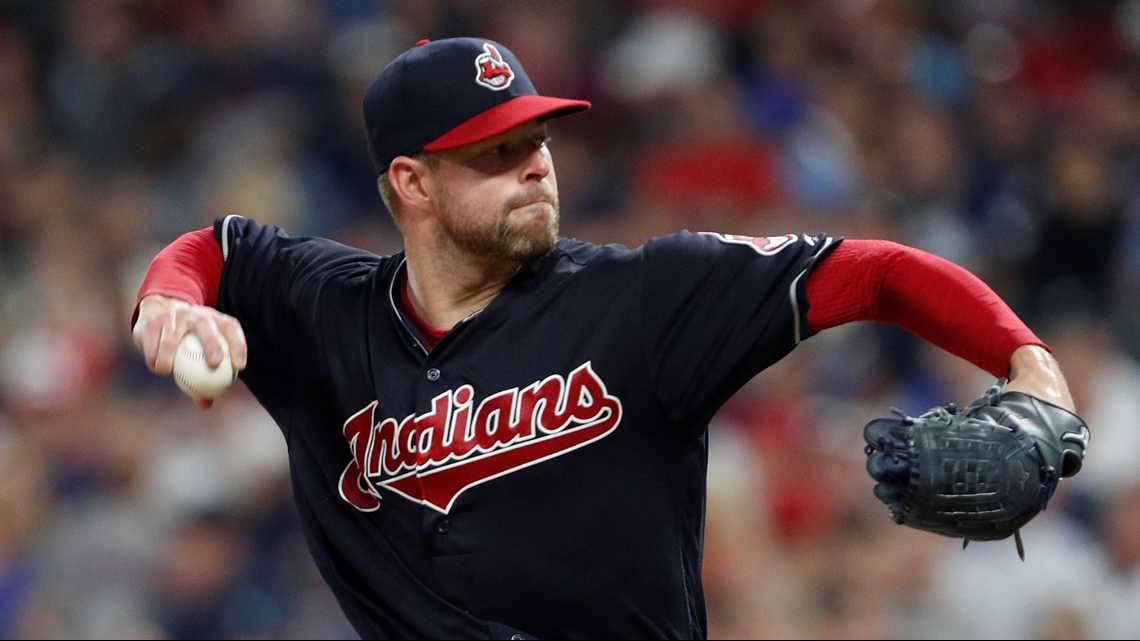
(983, 473)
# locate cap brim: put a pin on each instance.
(504, 117)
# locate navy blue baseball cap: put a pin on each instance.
(445, 94)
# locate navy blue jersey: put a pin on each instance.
(541, 471)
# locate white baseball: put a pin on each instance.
(194, 376)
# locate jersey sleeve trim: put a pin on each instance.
(225, 234)
(802, 328)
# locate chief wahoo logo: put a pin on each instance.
(491, 70)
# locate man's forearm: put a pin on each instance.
(178, 296)
(931, 297)
(188, 269)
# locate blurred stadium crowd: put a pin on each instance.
(1002, 134)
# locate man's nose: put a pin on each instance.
(538, 164)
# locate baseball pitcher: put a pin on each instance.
(501, 433)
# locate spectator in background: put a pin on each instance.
(24, 495)
(1081, 231)
(1117, 616)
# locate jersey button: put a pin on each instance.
(443, 526)
(433, 374)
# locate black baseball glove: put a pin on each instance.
(979, 474)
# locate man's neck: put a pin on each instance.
(447, 286)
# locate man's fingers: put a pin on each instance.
(235, 336)
(204, 403)
(171, 334)
(160, 329)
(207, 330)
(137, 334)
(147, 334)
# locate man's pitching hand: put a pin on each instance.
(162, 323)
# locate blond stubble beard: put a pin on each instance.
(499, 239)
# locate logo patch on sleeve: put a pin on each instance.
(763, 245)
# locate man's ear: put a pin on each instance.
(409, 178)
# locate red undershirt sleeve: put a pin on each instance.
(940, 302)
(188, 269)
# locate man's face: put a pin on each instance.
(499, 198)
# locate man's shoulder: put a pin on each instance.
(679, 243)
(584, 253)
(235, 229)
(671, 248)
(251, 250)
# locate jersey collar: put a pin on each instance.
(528, 277)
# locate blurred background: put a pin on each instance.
(1001, 134)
